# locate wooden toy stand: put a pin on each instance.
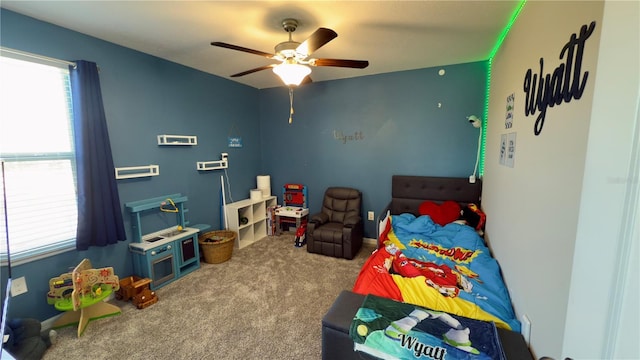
(89, 288)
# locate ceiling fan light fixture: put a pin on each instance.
(295, 56)
(291, 73)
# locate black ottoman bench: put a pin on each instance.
(337, 344)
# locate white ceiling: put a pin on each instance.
(391, 35)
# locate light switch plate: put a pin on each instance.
(18, 286)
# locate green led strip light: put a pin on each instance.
(495, 49)
(485, 116)
(505, 31)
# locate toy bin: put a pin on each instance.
(217, 246)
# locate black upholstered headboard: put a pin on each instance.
(408, 192)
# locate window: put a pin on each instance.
(36, 147)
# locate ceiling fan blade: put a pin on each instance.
(244, 49)
(254, 70)
(358, 64)
(316, 41)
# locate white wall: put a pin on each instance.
(533, 208)
(563, 222)
(602, 319)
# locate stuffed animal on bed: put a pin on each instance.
(474, 217)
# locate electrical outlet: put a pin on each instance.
(370, 215)
(526, 328)
(18, 286)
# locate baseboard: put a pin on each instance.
(369, 241)
(48, 324)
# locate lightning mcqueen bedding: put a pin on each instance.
(445, 268)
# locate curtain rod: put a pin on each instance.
(37, 57)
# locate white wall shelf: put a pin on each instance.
(254, 228)
(212, 165)
(137, 171)
(177, 140)
(223, 163)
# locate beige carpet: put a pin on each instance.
(267, 302)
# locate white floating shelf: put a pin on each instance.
(212, 165)
(177, 140)
(137, 171)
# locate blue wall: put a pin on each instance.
(407, 123)
(410, 122)
(145, 96)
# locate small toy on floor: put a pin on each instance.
(27, 340)
(137, 289)
(301, 235)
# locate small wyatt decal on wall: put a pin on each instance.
(566, 82)
(338, 135)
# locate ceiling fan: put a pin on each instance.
(294, 56)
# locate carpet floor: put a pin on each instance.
(266, 302)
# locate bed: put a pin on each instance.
(436, 261)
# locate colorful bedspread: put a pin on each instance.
(444, 268)
(388, 329)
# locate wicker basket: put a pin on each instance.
(217, 246)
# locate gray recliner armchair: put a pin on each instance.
(337, 230)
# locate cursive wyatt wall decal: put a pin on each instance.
(338, 135)
(565, 83)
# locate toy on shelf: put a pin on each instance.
(80, 294)
(294, 195)
(137, 290)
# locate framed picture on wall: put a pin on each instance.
(235, 142)
(511, 149)
(508, 118)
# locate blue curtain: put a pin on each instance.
(99, 214)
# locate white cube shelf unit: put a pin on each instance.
(254, 228)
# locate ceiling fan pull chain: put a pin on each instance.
(291, 104)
